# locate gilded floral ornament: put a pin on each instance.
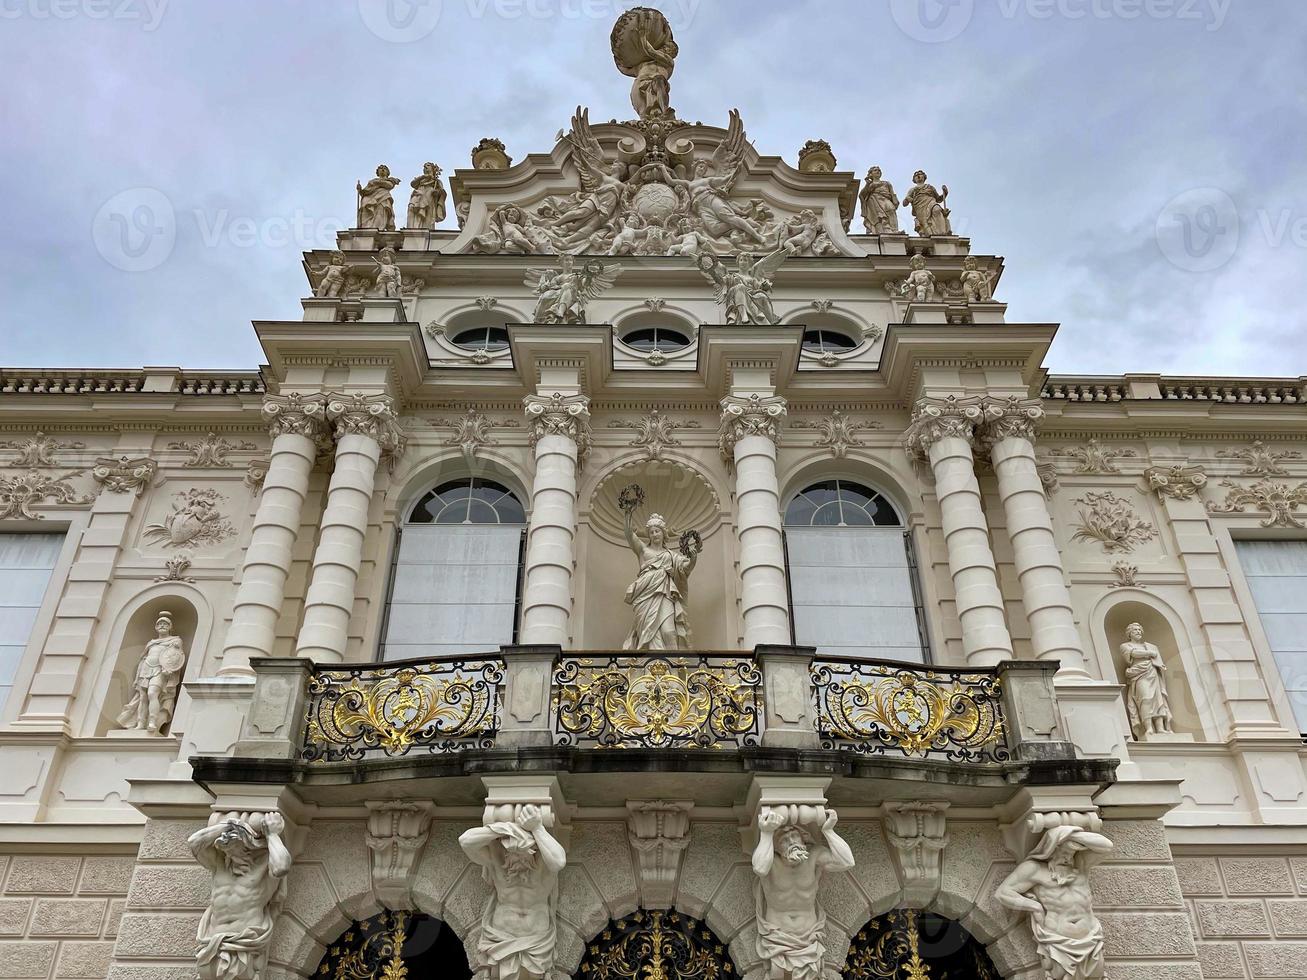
(1260, 460)
(656, 945)
(653, 432)
(836, 432)
(1177, 482)
(23, 491)
(1109, 520)
(1278, 501)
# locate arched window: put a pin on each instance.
(659, 338)
(853, 589)
(454, 582)
(489, 337)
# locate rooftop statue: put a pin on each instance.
(644, 49)
(928, 210)
(426, 205)
(879, 202)
(376, 204)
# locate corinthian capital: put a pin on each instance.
(301, 415)
(755, 415)
(934, 419)
(559, 415)
(366, 415)
(1012, 418)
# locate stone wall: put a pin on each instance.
(59, 914)
(1250, 911)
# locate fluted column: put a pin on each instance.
(298, 423)
(560, 435)
(943, 431)
(750, 429)
(1010, 425)
(365, 428)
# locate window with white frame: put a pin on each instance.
(852, 580)
(26, 561)
(454, 583)
(1277, 576)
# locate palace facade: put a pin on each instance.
(681, 568)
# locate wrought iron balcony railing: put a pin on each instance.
(878, 707)
(432, 706)
(657, 702)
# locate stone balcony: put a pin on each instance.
(698, 723)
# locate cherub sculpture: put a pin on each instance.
(331, 277)
(154, 685)
(507, 233)
(879, 205)
(976, 284)
(562, 293)
(745, 291)
(708, 189)
(919, 286)
(595, 208)
(390, 282)
(426, 205)
(928, 207)
(376, 209)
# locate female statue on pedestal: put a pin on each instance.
(154, 686)
(1146, 700)
(661, 588)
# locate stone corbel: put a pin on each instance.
(1032, 814)
(397, 833)
(124, 474)
(1177, 482)
(917, 836)
(659, 832)
(506, 794)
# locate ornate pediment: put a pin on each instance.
(655, 185)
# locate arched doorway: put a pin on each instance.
(656, 944)
(395, 946)
(905, 944)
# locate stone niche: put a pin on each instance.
(1186, 716)
(139, 632)
(687, 502)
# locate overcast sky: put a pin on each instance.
(1138, 163)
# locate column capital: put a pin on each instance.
(301, 415)
(1012, 417)
(559, 415)
(366, 415)
(934, 419)
(750, 415)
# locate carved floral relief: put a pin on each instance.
(195, 519)
(1111, 521)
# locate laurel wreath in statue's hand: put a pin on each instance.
(691, 544)
(630, 498)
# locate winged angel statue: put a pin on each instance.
(562, 293)
(595, 207)
(745, 291)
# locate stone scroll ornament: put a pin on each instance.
(660, 592)
(1052, 886)
(521, 861)
(797, 845)
(154, 684)
(249, 862)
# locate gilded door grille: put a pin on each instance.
(656, 945)
(395, 946)
(905, 944)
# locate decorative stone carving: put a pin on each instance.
(397, 832)
(1047, 476)
(744, 293)
(1127, 576)
(1093, 457)
(562, 293)
(790, 864)
(211, 451)
(486, 303)
(368, 415)
(919, 285)
(1052, 886)
(302, 415)
(654, 304)
(1109, 520)
(660, 593)
(934, 419)
(1146, 700)
(376, 205)
(1012, 418)
(929, 212)
(659, 832)
(176, 569)
(331, 277)
(471, 432)
(390, 281)
(195, 519)
(804, 235)
(653, 432)
(126, 474)
(249, 862)
(256, 473)
(521, 861)
(1177, 482)
(975, 284)
(816, 157)
(880, 204)
(426, 204)
(1278, 500)
(37, 451)
(1259, 459)
(915, 832)
(490, 154)
(752, 416)
(559, 415)
(835, 432)
(644, 49)
(154, 684)
(23, 491)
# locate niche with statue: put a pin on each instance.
(151, 663)
(1158, 697)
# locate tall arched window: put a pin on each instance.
(853, 585)
(454, 582)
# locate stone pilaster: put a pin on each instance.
(750, 429)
